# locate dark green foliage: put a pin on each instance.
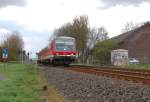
(102, 51)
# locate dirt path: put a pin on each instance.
(48, 93)
(2, 77)
(44, 96)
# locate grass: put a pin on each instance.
(23, 83)
(139, 66)
(145, 66)
(20, 83)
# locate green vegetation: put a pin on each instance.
(102, 51)
(20, 84)
(139, 66)
(131, 66)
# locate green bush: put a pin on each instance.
(102, 51)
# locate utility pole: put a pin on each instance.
(21, 56)
(28, 59)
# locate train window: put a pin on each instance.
(64, 46)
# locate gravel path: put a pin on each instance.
(91, 88)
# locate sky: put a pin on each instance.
(37, 19)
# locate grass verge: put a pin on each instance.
(20, 83)
(23, 83)
(145, 66)
(139, 66)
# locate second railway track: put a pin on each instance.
(140, 76)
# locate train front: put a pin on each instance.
(65, 50)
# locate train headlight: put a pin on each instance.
(73, 54)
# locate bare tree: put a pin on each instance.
(96, 35)
(14, 40)
(131, 26)
(14, 43)
(65, 30)
(81, 32)
(103, 33)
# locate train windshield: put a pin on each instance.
(65, 45)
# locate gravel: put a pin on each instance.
(92, 88)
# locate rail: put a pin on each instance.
(136, 75)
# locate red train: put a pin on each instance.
(62, 50)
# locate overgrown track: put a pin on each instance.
(141, 76)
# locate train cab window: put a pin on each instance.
(64, 47)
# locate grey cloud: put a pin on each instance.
(4, 3)
(15, 26)
(110, 3)
(34, 42)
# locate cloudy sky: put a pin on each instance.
(36, 19)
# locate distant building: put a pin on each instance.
(119, 57)
(137, 42)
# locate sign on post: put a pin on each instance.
(5, 53)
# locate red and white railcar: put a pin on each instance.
(62, 50)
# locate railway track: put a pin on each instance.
(138, 76)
